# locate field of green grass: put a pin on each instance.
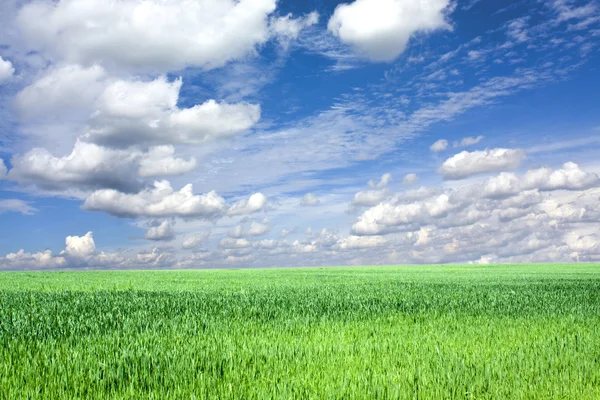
(422, 332)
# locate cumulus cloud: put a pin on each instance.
(310, 200)
(259, 228)
(159, 201)
(367, 198)
(538, 197)
(146, 113)
(469, 141)
(439, 145)
(410, 179)
(195, 241)
(231, 243)
(255, 229)
(79, 252)
(380, 30)
(80, 246)
(65, 88)
(16, 205)
(255, 203)
(40, 260)
(159, 161)
(569, 177)
(89, 166)
(465, 164)
(151, 35)
(161, 232)
(6, 70)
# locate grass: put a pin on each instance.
(427, 332)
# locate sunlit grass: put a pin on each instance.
(523, 331)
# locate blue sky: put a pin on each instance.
(311, 133)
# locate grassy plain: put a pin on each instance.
(426, 332)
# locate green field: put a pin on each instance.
(434, 332)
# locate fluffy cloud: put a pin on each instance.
(195, 241)
(366, 198)
(146, 113)
(89, 166)
(439, 145)
(569, 177)
(159, 161)
(255, 229)
(150, 35)
(79, 252)
(159, 201)
(16, 205)
(380, 29)
(465, 164)
(65, 88)
(23, 260)
(496, 202)
(6, 70)
(255, 203)
(161, 232)
(310, 200)
(259, 228)
(80, 246)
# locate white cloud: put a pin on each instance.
(16, 205)
(468, 141)
(23, 260)
(465, 164)
(383, 182)
(569, 177)
(80, 246)
(146, 113)
(89, 166)
(152, 35)
(439, 145)
(361, 242)
(410, 179)
(6, 70)
(230, 243)
(255, 229)
(162, 232)
(381, 29)
(155, 257)
(159, 161)
(159, 201)
(370, 197)
(310, 200)
(259, 228)
(255, 203)
(195, 241)
(287, 28)
(65, 88)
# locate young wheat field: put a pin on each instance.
(422, 332)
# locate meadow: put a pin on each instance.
(418, 332)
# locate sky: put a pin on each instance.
(262, 133)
